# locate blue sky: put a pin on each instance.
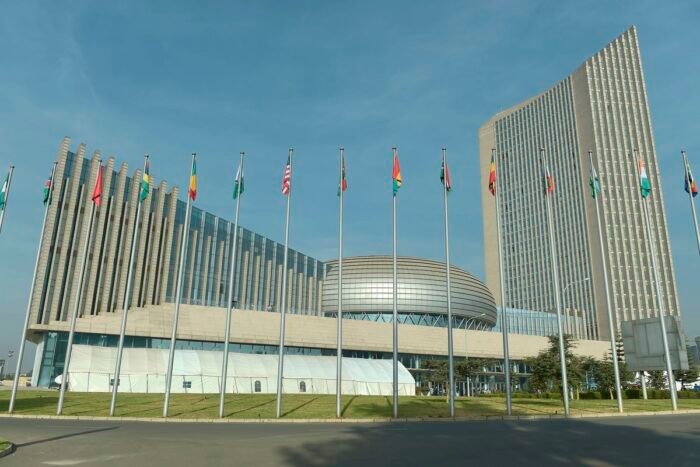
(169, 78)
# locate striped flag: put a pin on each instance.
(445, 176)
(193, 179)
(47, 190)
(3, 192)
(644, 185)
(691, 185)
(492, 176)
(97, 191)
(146, 181)
(239, 186)
(396, 174)
(548, 181)
(594, 183)
(343, 185)
(287, 177)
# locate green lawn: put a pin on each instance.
(254, 406)
(4, 444)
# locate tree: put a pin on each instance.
(546, 367)
(437, 372)
(657, 379)
(604, 374)
(468, 368)
(690, 375)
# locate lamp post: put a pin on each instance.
(466, 353)
(563, 297)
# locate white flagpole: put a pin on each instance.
(178, 297)
(686, 167)
(557, 297)
(127, 299)
(611, 323)
(7, 196)
(395, 320)
(339, 338)
(76, 306)
(20, 356)
(229, 301)
(659, 301)
(280, 360)
(504, 314)
(450, 363)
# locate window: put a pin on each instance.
(302, 386)
(258, 386)
(187, 385)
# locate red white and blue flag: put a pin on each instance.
(287, 178)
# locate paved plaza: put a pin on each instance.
(672, 440)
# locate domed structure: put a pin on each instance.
(422, 292)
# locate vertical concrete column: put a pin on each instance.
(170, 239)
(47, 238)
(95, 267)
(81, 237)
(62, 258)
(155, 255)
(125, 245)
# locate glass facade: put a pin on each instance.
(161, 230)
(55, 344)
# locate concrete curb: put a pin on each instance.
(351, 420)
(9, 450)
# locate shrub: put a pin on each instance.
(633, 393)
(591, 395)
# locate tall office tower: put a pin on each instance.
(601, 107)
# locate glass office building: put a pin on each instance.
(602, 107)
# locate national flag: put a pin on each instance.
(343, 184)
(47, 190)
(691, 186)
(396, 174)
(492, 176)
(146, 181)
(287, 177)
(97, 191)
(445, 176)
(594, 183)
(548, 181)
(644, 185)
(239, 186)
(193, 180)
(3, 192)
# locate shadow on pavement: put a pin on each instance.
(69, 435)
(535, 443)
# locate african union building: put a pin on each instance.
(312, 295)
(601, 107)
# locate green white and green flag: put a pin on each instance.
(146, 181)
(594, 183)
(644, 185)
(240, 185)
(3, 193)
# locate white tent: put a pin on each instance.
(199, 371)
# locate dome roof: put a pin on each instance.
(368, 288)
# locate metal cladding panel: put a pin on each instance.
(644, 350)
(368, 288)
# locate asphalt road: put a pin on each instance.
(661, 440)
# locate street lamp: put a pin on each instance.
(466, 353)
(563, 300)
